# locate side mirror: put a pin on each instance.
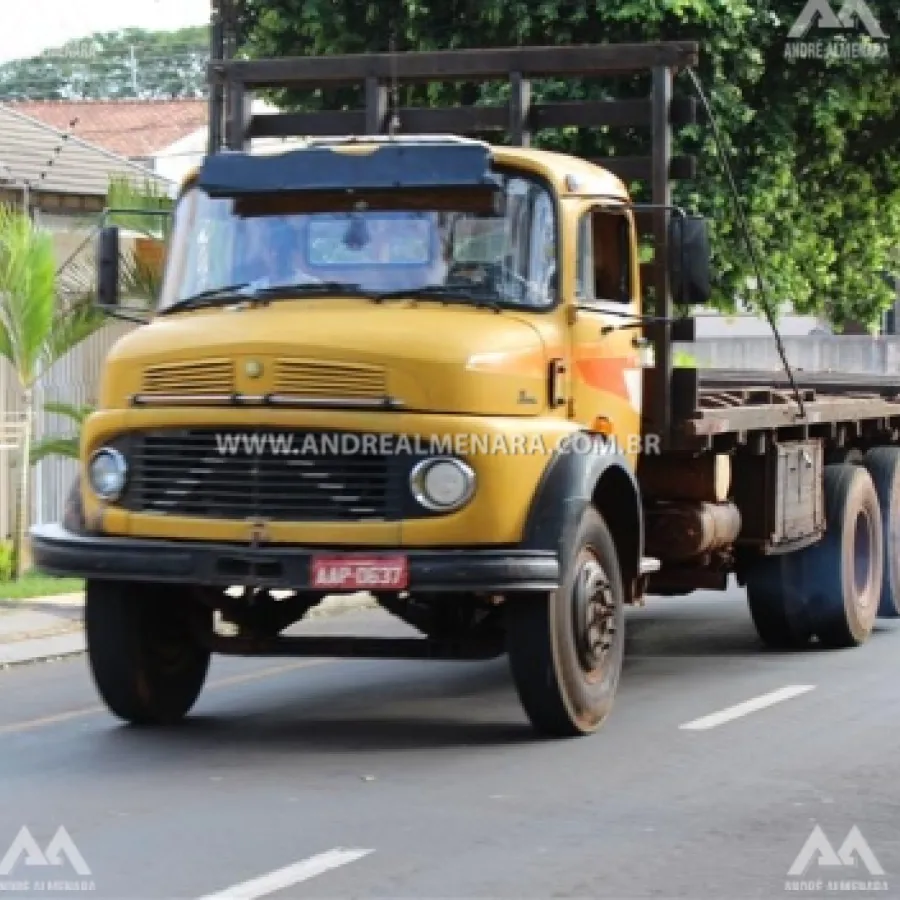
(690, 260)
(108, 267)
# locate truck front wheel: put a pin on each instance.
(145, 655)
(566, 648)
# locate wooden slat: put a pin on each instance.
(612, 113)
(457, 65)
(776, 415)
(308, 124)
(640, 168)
(684, 331)
(465, 120)
(520, 110)
(462, 120)
(376, 106)
(662, 169)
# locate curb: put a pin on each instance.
(72, 643)
(39, 650)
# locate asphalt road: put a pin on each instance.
(338, 779)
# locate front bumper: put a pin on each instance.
(58, 551)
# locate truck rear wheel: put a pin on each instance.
(566, 648)
(775, 594)
(146, 660)
(883, 464)
(843, 572)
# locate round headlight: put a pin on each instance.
(442, 484)
(106, 472)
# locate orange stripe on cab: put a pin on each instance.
(605, 373)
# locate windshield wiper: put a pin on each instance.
(306, 288)
(249, 292)
(446, 293)
(210, 297)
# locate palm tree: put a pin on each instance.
(67, 445)
(140, 280)
(38, 325)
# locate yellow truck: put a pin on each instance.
(409, 361)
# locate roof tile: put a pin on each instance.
(129, 128)
(51, 160)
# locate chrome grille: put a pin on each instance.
(185, 472)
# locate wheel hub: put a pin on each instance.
(594, 612)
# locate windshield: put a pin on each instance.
(508, 258)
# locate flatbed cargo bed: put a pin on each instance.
(723, 409)
(887, 386)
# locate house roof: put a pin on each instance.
(30, 149)
(130, 128)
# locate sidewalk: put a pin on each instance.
(42, 628)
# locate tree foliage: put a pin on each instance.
(113, 65)
(38, 325)
(812, 142)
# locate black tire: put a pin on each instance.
(883, 465)
(843, 572)
(143, 651)
(566, 686)
(777, 601)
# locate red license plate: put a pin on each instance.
(360, 573)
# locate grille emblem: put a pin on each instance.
(259, 533)
(253, 368)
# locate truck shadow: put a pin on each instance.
(360, 706)
(341, 709)
(705, 624)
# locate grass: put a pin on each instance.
(35, 584)
(683, 360)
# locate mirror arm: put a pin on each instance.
(123, 316)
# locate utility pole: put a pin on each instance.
(216, 88)
(133, 67)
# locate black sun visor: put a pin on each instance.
(324, 169)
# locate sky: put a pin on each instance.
(30, 26)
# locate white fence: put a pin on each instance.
(75, 380)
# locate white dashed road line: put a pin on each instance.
(289, 875)
(748, 706)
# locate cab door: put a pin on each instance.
(606, 371)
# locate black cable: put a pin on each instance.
(748, 237)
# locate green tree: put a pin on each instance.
(117, 64)
(139, 284)
(812, 142)
(37, 327)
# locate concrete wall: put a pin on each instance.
(845, 354)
